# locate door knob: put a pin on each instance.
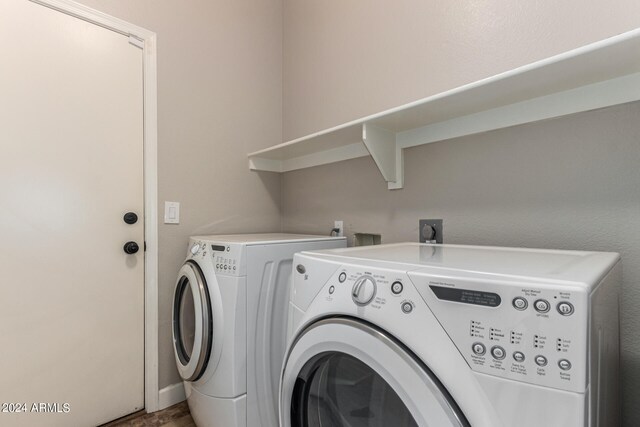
(130, 218)
(131, 248)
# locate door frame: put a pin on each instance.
(145, 40)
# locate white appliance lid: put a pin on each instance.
(263, 238)
(575, 266)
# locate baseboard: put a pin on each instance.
(171, 395)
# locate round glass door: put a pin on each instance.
(345, 373)
(343, 391)
(185, 322)
(192, 322)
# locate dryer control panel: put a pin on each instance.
(226, 258)
(536, 333)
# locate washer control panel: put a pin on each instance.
(371, 289)
(535, 333)
(526, 332)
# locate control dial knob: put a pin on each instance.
(363, 290)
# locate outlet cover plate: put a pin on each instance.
(437, 226)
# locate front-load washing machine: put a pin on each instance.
(229, 324)
(444, 335)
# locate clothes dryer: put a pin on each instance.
(229, 324)
(425, 335)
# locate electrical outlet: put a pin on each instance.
(430, 231)
(339, 225)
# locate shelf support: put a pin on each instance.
(381, 144)
(399, 181)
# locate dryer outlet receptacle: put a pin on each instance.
(430, 231)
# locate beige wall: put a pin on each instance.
(349, 59)
(219, 98)
(569, 183)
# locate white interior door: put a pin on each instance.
(71, 165)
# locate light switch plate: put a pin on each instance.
(172, 212)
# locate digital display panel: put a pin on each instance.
(217, 248)
(466, 296)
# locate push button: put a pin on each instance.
(498, 352)
(407, 307)
(542, 306)
(541, 360)
(564, 364)
(478, 349)
(518, 356)
(332, 289)
(342, 277)
(520, 303)
(565, 308)
(396, 287)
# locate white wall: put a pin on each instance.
(567, 183)
(219, 97)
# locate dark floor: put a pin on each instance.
(174, 416)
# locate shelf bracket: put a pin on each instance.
(386, 153)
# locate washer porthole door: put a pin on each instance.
(192, 322)
(346, 373)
